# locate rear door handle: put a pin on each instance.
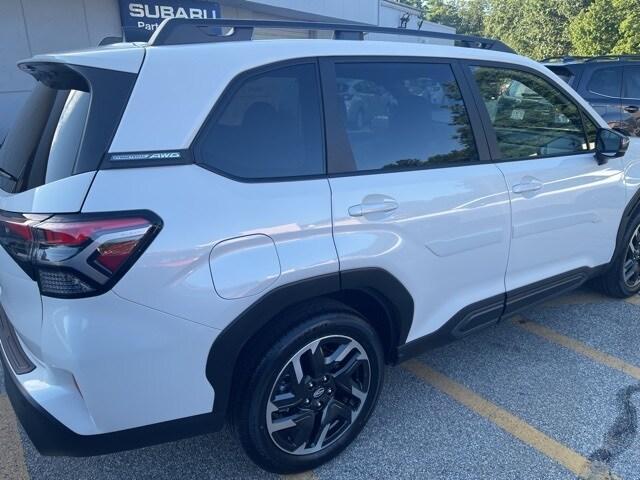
(374, 207)
(631, 109)
(527, 187)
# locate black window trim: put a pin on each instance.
(225, 98)
(492, 138)
(339, 154)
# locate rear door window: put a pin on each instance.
(606, 82)
(402, 116)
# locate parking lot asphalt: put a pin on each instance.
(552, 394)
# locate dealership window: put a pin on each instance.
(270, 127)
(531, 117)
(404, 116)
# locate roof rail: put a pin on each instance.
(181, 31)
(563, 59)
(613, 57)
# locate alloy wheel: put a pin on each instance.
(318, 395)
(631, 266)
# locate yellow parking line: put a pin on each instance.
(511, 424)
(635, 300)
(300, 476)
(12, 465)
(579, 347)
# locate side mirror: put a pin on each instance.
(610, 144)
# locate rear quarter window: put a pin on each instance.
(269, 126)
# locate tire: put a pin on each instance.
(616, 282)
(295, 439)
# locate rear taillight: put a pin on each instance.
(77, 255)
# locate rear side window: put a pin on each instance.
(632, 82)
(563, 72)
(403, 116)
(606, 82)
(68, 134)
(531, 117)
(269, 127)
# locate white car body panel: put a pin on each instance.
(174, 274)
(570, 223)
(62, 196)
(106, 364)
(446, 242)
(123, 57)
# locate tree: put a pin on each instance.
(596, 30)
(466, 16)
(536, 28)
(629, 35)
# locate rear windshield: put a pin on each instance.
(43, 143)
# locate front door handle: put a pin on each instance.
(631, 109)
(527, 187)
(373, 207)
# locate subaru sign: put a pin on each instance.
(140, 19)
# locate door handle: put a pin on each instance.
(631, 109)
(527, 187)
(374, 207)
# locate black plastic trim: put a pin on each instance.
(51, 437)
(164, 158)
(488, 312)
(525, 297)
(225, 352)
(467, 321)
(110, 92)
(18, 359)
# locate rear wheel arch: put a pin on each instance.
(374, 294)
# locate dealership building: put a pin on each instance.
(31, 27)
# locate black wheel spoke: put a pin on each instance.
(317, 363)
(335, 411)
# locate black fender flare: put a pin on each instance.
(228, 346)
(632, 208)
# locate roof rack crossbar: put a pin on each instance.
(182, 31)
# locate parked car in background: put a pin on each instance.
(611, 84)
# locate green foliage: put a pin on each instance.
(596, 30)
(544, 28)
(466, 16)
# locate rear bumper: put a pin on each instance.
(111, 376)
(51, 437)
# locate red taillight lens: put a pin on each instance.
(78, 255)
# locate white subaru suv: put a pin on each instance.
(194, 232)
